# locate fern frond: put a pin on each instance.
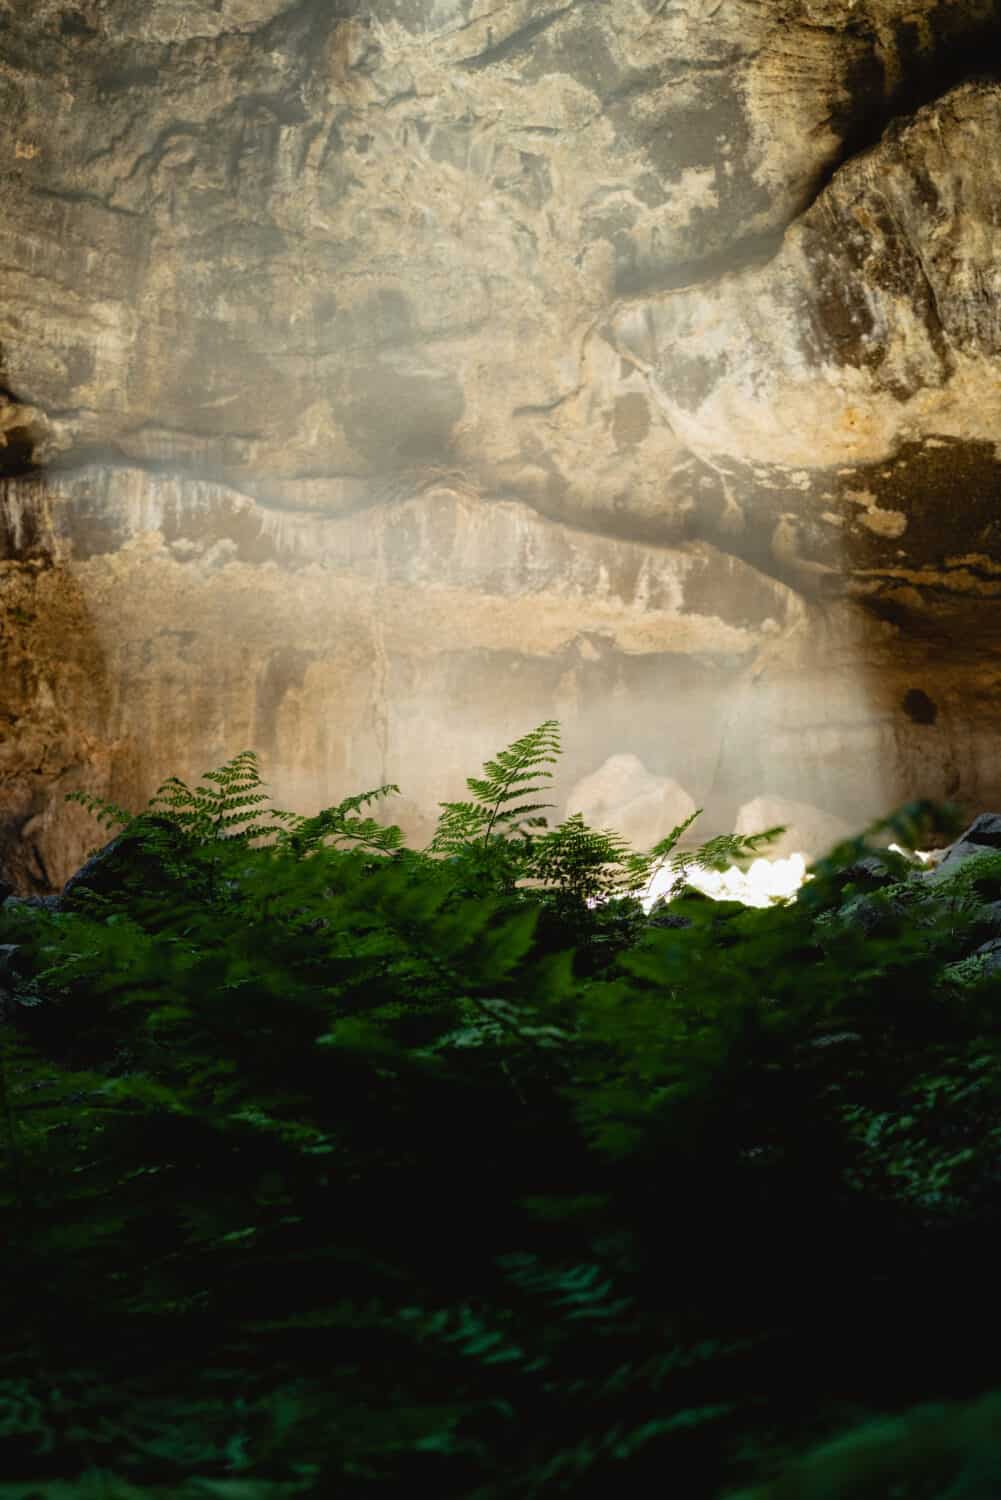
(726, 849)
(231, 799)
(503, 783)
(586, 863)
(337, 825)
(104, 811)
(458, 825)
(662, 849)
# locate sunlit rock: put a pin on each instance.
(809, 830)
(622, 795)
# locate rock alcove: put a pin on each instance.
(379, 381)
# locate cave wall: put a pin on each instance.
(380, 380)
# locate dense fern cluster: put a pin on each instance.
(337, 1167)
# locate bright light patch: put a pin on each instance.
(918, 853)
(766, 881)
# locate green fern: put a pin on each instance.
(503, 784)
(584, 864)
(217, 812)
(497, 835)
(337, 825)
(228, 810)
(104, 811)
(536, 1176)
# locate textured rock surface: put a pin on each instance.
(982, 836)
(405, 374)
(160, 625)
(847, 391)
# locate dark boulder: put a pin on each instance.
(870, 871)
(990, 953)
(44, 903)
(983, 834)
(985, 830)
(137, 860)
(990, 918)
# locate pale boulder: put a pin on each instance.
(624, 796)
(809, 830)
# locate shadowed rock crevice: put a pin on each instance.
(20, 436)
(17, 453)
(925, 75)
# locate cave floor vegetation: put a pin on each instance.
(333, 1167)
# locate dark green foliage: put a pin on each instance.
(333, 1167)
(933, 1452)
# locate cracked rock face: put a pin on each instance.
(395, 376)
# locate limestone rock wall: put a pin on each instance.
(404, 644)
(379, 380)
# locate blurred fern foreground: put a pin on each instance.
(333, 1167)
